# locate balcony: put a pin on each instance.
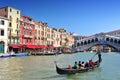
(28, 36)
(27, 21)
(26, 27)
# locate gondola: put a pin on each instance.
(73, 71)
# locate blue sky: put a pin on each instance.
(83, 17)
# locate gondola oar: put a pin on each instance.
(93, 56)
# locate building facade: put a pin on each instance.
(3, 35)
(44, 34)
(63, 36)
(56, 37)
(70, 38)
(115, 33)
(13, 16)
(38, 31)
(49, 36)
(27, 28)
(23, 30)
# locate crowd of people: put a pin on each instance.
(82, 65)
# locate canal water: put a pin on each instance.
(43, 67)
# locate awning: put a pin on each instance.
(42, 46)
(50, 47)
(30, 46)
(15, 46)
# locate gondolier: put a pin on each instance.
(99, 55)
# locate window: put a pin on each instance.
(20, 22)
(26, 32)
(10, 32)
(17, 20)
(2, 32)
(5, 16)
(27, 41)
(2, 22)
(17, 33)
(17, 12)
(17, 25)
(10, 18)
(10, 10)
(42, 33)
(5, 9)
(30, 33)
(39, 38)
(39, 32)
(42, 27)
(35, 31)
(35, 37)
(10, 24)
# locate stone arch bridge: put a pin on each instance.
(98, 39)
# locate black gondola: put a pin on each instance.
(73, 71)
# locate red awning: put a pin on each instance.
(15, 46)
(30, 46)
(42, 46)
(50, 47)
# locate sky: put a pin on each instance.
(83, 17)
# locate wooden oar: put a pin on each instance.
(93, 56)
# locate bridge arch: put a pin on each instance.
(115, 41)
(111, 40)
(96, 39)
(92, 40)
(85, 42)
(89, 42)
(119, 42)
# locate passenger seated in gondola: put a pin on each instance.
(70, 67)
(75, 65)
(82, 65)
(91, 63)
(87, 64)
(79, 64)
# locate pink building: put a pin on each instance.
(27, 27)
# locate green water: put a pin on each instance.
(43, 68)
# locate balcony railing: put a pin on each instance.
(27, 21)
(28, 36)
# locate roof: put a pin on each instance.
(1, 17)
(9, 7)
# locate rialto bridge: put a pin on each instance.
(98, 40)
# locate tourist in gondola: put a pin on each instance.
(83, 65)
(75, 65)
(70, 67)
(87, 64)
(91, 63)
(79, 64)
